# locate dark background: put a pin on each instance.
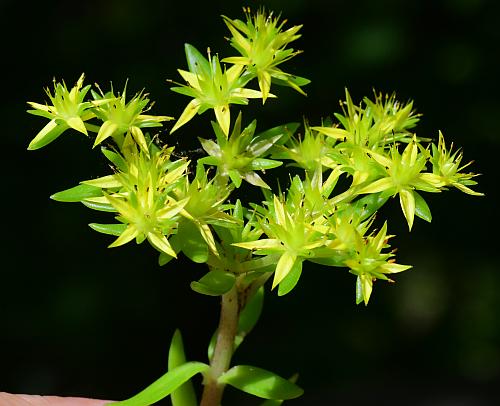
(79, 319)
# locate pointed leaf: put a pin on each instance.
(235, 177)
(104, 182)
(289, 282)
(210, 147)
(262, 163)
(369, 204)
(196, 61)
(184, 395)
(261, 383)
(77, 193)
(99, 206)
(285, 130)
(165, 385)
(111, 229)
(422, 210)
(116, 159)
(359, 290)
(47, 134)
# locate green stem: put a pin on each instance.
(224, 347)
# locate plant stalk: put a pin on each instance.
(224, 347)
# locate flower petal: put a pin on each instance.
(283, 267)
(378, 186)
(333, 132)
(77, 124)
(233, 73)
(128, 235)
(106, 130)
(266, 243)
(160, 242)
(407, 201)
(188, 113)
(467, 190)
(171, 211)
(190, 77)
(223, 116)
(139, 138)
(237, 60)
(390, 267)
(264, 84)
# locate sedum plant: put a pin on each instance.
(341, 172)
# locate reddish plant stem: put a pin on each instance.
(224, 347)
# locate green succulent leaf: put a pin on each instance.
(197, 63)
(47, 134)
(77, 193)
(116, 159)
(291, 80)
(262, 163)
(110, 229)
(369, 204)
(165, 385)
(211, 345)
(261, 383)
(214, 283)
(291, 279)
(271, 402)
(164, 258)
(192, 243)
(99, 206)
(284, 130)
(184, 395)
(422, 210)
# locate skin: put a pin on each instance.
(8, 399)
